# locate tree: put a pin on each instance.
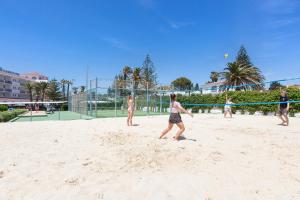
(136, 76)
(43, 86)
(214, 76)
(148, 74)
(37, 90)
(75, 90)
(242, 57)
(53, 91)
(197, 87)
(182, 83)
(236, 74)
(275, 85)
(63, 83)
(29, 87)
(82, 89)
(68, 88)
(127, 71)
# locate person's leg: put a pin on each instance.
(281, 117)
(286, 117)
(230, 113)
(180, 131)
(170, 126)
(131, 116)
(128, 119)
(225, 113)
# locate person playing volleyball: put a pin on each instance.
(227, 107)
(130, 104)
(175, 118)
(283, 108)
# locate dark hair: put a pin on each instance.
(173, 97)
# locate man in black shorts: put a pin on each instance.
(283, 108)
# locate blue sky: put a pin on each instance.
(184, 38)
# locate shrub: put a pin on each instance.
(3, 108)
(242, 97)
(8, 115)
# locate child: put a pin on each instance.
(175, 118)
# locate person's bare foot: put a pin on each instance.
(175, 138)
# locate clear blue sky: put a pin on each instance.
(184, 38)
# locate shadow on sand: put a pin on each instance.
(184, 138)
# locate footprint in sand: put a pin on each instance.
(87, 163)
(216, 156)
(72, 181)
(1, 174)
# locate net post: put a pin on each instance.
(31, 112)
(96, 99)
(115, 98)
(90, 99)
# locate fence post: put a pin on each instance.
(59, 112)
(115, 98)
(147, 99)
(90, 101)
(96, 99)
(160, 98)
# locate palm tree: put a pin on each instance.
(75, 90)
(136, 76)
(43, 87)
(29, 87)
(237, 73)
(63, 83)
(127, 71)
(82, 89)
(53, 90)
(37, 89)
(68, 87)
(214, 76)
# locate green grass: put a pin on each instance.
(120, 113)
(67, 115)
(63, 115)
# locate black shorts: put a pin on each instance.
(175, 118)
(283, 111)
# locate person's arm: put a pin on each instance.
(184, 110)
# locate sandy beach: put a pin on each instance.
(247, 157)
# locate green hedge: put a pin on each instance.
(3, 108)
(242, 97)
(8, 115)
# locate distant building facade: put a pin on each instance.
(12, 84)
(213, 87)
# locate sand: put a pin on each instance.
(247, 157)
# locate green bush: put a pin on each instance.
(8, 115)
(242, 97)
(64, 107)
(3, 108)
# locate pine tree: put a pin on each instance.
(242, 57)
(197, 87)
(148, 73)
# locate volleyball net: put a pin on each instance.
(108, 98)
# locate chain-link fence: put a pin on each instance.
(108, 98)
